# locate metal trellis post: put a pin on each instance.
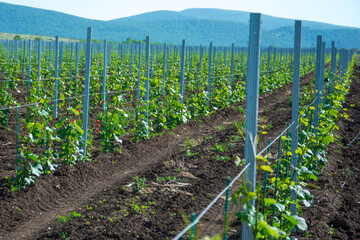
(86, 89)
(252, 102)
(295, 108)
(56, 90)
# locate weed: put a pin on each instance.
(138, 210)
(169, 179)
(62, 219)
(139, 184)
(219, 158)
(235, 138)
(64, 235)
(125, 212)
(188, 153)
(74, 214)
(219, 147)
(65, 219)
(241, 109)
(207, 138)
(331, 230)
(188, 145)
(19, 209)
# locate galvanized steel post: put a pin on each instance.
(139, 74)
(131, 60)
(147, 90)
(182, 66)
(164, 70)
(317, 82)
(76, 65)
(200, 66)
(342, 64)
(268, 61)
(252, 102)
(24, 59)
(56, 90)
(39, 67)
(346, 59)
(333, 66)
(232, 67)
(322, 72)
(209, 74)
(104, 76)
(87, 88)
(29, 67)
(295, 108)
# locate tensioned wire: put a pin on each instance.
(31, 104)
(210, 205)
(67, 98)
(114, 74)
(225, 189)
(232, 182)
(61, 99)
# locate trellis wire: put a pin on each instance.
(210, 205)
(353, 140)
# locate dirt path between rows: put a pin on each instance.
(32, 213)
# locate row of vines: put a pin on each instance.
(117, 108)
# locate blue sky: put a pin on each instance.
(339, 12)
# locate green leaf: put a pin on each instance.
(32, 156)
(29, 125)
(307, 203)
(301, 223)
(51, 166)
(301, 193)
(36, 169)
(29, 180)
(75, 112)
(58, 124)
(268, 230)
(290, 223)
(117, 139)
(78, 128)
(266, 168)
(328, 139)
(248, 215)
(333, 112)
(269, 201)
(280, 207)
(43, 113)
(32, 139)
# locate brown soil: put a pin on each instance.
(102, 191)
(336, 208)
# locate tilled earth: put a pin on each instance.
(184, 170)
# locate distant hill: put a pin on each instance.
(197, 26)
